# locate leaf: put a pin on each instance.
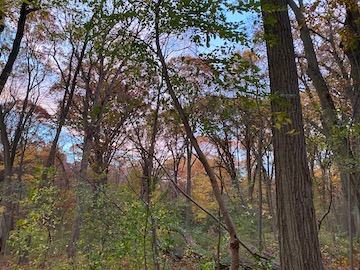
(277, 125)
(293, 132)
(163, 195)
(20, 222)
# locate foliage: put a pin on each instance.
(37, 232)
(98, 57)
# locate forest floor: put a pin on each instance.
(7, 264)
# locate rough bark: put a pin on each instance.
(329, 117)
(351, 44)
(299, 245)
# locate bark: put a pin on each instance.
(248, 160)
(352, 50)
(5, 73)
(2, 17)
(188, 214)
(351, 43)
(330, 118)
(148, 156)
(299, 245)
(269, 200)
(314, 72)
(259, 173)
(148, 184)
(6, 193)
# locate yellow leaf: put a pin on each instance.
(293, 132)
(277, 125)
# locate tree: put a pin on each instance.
(299, 245)
(234, 241)
(25, 10)
(10, 145)
(339, 120)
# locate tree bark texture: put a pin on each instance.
(330, 118)
(299, 245)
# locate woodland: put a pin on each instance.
(180, 134)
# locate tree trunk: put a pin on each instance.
(259, 173)
(250, 183)
(188, 214)
(269, 199)
(299, 245)
(330, 119)
(5, 73)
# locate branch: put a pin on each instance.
(24, 11)
(328, 210)
(235, 241)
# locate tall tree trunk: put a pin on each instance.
(2, 17)
(269, 199)
(259, 173)
(149, 160)
(148, 155)
(330, 119)
(250, 183)
(6, 220)
(5, 73)
(188, 214)
(299, 245)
